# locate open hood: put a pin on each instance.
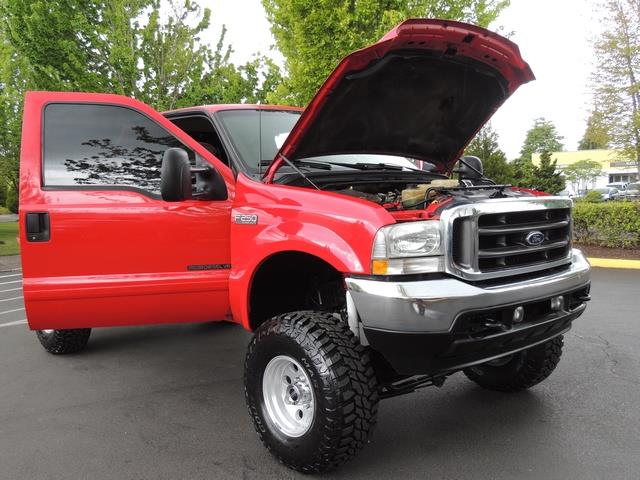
(422, 91)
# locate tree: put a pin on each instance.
(545, 177)
(105, 46)
(616, 80)
(314, 35)
(102, 46)
(596, 135)
(485, 146)
(541, 137)
(582, 173)
(13, 84)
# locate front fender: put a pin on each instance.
(270, 219)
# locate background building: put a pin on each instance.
(615, 167)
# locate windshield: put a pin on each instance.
(633, 186)
(257, 135)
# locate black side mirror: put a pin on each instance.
(470, 168)
(175, 176)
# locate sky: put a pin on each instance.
(555, 37)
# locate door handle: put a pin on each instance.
(38, 227)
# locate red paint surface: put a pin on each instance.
(119, 257)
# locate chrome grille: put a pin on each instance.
(502, 238)
(495, 238)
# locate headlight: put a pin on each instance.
(400, 249)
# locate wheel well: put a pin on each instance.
(291, 281)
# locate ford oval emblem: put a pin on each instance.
(534, 238)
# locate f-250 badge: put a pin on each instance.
(245, 219)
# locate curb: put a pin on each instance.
(614, 263)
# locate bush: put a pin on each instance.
(592, 196)
(12, 201)
(607, 224)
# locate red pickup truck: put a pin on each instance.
(367, 256)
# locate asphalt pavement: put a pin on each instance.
(167, 402)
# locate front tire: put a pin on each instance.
(521, 370)
(60, 342)
(308, 366)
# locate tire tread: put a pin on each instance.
(349, 379)
(62, 342)
(536, 364)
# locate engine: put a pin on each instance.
(404, 192)
(425, 195)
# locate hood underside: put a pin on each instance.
(422, 91)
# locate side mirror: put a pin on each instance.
(175, 176)
(471, 169)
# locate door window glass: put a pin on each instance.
(103, 145)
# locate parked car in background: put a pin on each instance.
(621, 186)
(567, 192)
(632, 191)
(608, 193)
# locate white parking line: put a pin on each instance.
(7, 283)
(11, 290)
(11, 311)
(13, 275)
(17, 322)
(9, 299)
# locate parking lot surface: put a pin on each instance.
(167, 402)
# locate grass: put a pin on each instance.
(8, 234)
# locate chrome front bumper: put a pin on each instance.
(432, 306)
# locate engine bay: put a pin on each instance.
(406, 195)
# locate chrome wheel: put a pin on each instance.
(288, 396)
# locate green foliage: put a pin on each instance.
(607, 224)
(523, 172)
(596, 136)
(100, 46)
(581, 173)
(116, 46)
(12, 87)
(542, 137)
(3, 193)
(592, 196)
(12, 200)
(546, 176)
(616, 80)
(314, 35)
(8, 238)
(485, 146)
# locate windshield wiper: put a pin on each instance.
(388, 166)
(303, 163)
(355, 166)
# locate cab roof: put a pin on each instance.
(233, 106)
